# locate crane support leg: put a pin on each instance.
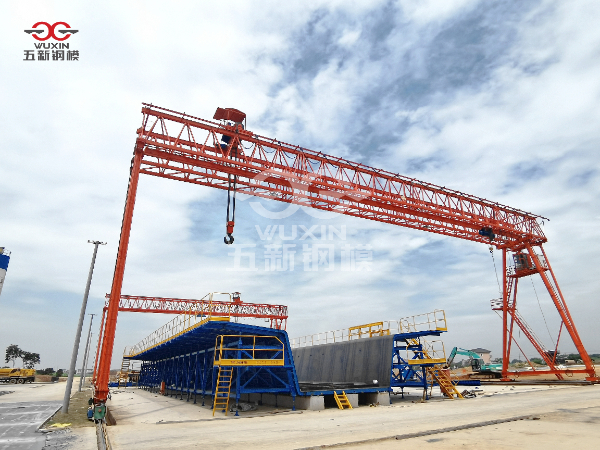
(505, 356)
(565, 315)
(511, 316)
(101, 386)
(99, 346)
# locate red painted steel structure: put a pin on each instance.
(277, 314)
(182, 147)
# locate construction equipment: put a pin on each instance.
(14, 376)
(181, 147)
(477, 363)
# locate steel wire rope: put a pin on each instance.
(496, 271)
(519, 347)
(542, 311)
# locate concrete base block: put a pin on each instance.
(312, 403)
(353, 399)
(383, 398)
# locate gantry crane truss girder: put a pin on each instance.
(182, 147)
(269, 168)
(278, 314)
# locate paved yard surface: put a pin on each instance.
(565, 415)
(25, 407)
(20, 421)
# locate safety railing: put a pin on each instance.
(368, 330)
(433, 321)
(431, 352)
(236, 350)
(524, 264)
(182, 323)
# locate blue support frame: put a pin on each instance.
(193, 373)
(410, 375)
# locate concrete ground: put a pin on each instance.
(565, 415)
(25, 407)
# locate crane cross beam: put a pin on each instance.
(275, 170)
(137, 303)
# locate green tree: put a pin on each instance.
(13, 352)
(30, 359)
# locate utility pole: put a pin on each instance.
(86, 354)
(67, 398)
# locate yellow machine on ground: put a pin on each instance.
(17, 375)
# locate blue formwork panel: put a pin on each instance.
(185, 364)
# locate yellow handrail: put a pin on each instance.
(195, 316)
(221, 346)
(432, 321)
(370, 329)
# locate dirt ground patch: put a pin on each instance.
(77, 415)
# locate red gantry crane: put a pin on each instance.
(223, 154)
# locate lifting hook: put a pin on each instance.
(229, 238)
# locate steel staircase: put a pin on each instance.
(222, 389)
(123, 374)
(437, 374)
(342, 400)
(441, 377)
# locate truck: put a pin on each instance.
(17, 376)
(477, 364)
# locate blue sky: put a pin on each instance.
(493, 98)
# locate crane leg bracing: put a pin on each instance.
(529, 263)
(181, 147)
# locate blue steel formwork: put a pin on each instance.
(185, 364)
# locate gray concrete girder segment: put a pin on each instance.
(20, 421)
(359, 361)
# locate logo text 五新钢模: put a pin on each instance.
(51, 51)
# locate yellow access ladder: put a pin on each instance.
(123, 375)
(222, 389)
(442, 378)
(342, 400)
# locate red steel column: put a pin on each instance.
(99, 345)
(505, 343)
(101, 391)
